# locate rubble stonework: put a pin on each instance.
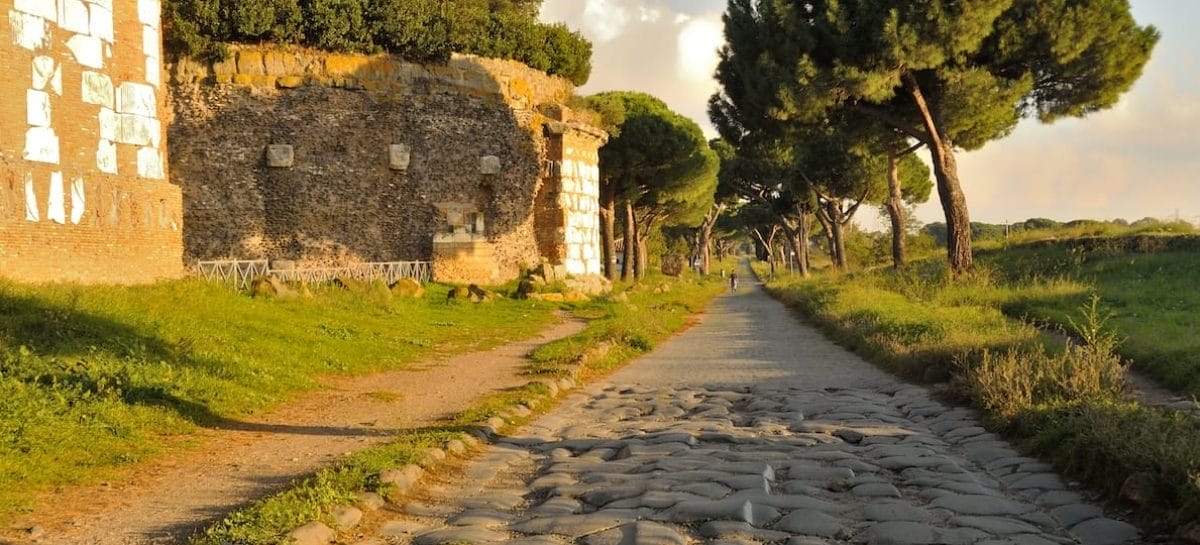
(83, 190)
(388, 160)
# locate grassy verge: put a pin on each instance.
(96, 379)
(620, 327)
(1148, 284)
(1064, 405)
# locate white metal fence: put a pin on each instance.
(240, 273)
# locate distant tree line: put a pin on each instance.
(1048, 227)
(426, 31)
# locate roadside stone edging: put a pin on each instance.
(402, 480)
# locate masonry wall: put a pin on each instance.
(83, 180)
(332, 159)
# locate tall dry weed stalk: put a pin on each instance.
(1020, 379)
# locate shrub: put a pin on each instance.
(417, 30)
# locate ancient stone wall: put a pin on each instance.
(331, 159)
(83, 190)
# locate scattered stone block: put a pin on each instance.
(370, 501)
(313, 533)
(1104, 531)
(280, 156)
(350, 284)
(408, 288)
(811, 523)
(290, 82)
(346, 517)
(458, 293)
(269, 286)
(489, 165)
(399, 156)
(1139, 487)
(401, 480)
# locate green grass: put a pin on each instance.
(912, 324)
(622, 326)
(1154, 299)
(1062, 403)
(96, 379)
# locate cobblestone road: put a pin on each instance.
(751, 428)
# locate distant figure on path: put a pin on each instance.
(733, 281)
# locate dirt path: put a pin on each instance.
(169, 499)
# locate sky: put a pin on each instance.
(1139, 159)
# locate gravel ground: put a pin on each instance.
(751, 428)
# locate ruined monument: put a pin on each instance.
(83, 178)
(328, 159)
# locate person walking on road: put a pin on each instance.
(733, 281)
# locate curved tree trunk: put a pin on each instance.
(704, 240)
(895, 208)
(945, 170)
(838, 234)
(630, 243)
(798, 239)
(608, 216)
(827, 214)
(639, 264)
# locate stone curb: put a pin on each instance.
(404, 479)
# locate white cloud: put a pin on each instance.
(605, 20)
(667, 50)
(648, 15)
(698, 41)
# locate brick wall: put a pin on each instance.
(83, 181)
(331, 159)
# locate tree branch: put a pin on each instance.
(892, 121)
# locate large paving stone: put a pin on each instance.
(655, 499)
(727, 509)
(574, 526)
(313, 533)
(480, 517)
(915, 533)
(708, 490)
(894, 511)
(1022, 539)
(400, 528)
(605, 494)
(558, 505)
(876, 490)
(999, 526)
(729, 529)
(1071, 514)
(1104, 531)
(965, 504)
(460, 534)
(1041, 481)
(789, 501)
(638, 533)
(811, 523)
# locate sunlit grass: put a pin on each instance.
(1119, 300)
(93, 378)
